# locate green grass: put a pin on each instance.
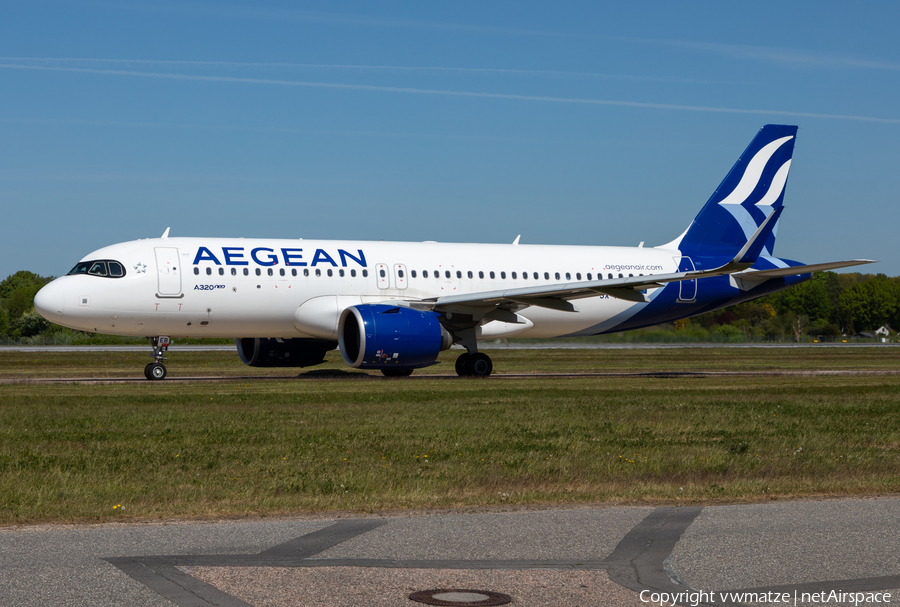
(665, 360)
(72, 451)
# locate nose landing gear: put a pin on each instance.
(156, 370)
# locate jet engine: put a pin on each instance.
(265, 352)
(379, 336)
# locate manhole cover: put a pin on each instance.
(460, 598)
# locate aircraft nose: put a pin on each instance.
(49, 301)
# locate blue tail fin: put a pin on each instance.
(751, 191)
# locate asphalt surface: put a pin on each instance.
(848, 545)
(490, 345)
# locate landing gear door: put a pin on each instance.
(687, 289)
(168, 268)
(400, 276)
(381, 275)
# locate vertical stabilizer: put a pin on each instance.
(751, 192)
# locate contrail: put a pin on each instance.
(44, 61)
(451, 93)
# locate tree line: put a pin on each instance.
(829, 305)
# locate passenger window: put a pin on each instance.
(412, 273)
(578, 276)
(281, 271)
(620, 275)
(458, 274)
(353, 273)
(115, 269)
(589, 276)
(221, 271)
(400, 273)
(365, 273)
(546, 275)
(234, 271)
(293, 271)
(447, 273)
(470, 274)
(209, 271)
(306, 271)
(246, 272)
(318, 272)
(381, 273)
(535, 275)
(502, 274)
(513, 275)
(630, 275)
(480, 274)
(568, 276)
(525, 275)
(492, 274)
(258, 272)
(557, 275)
(271, 272)
(341, 273)
(610, 275)
(424, 273)
(330, 273)
(196, 270)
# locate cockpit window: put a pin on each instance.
(115, 269)
(104, 268)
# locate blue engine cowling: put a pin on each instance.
(265, 352)
(378, 336)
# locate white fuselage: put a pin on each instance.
(221, 287)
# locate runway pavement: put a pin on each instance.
(558, 557)
(488, 345)
(332, 375)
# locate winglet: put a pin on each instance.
(166, 233)
(749, 253)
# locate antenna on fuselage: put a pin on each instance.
(166, 233)
(516, 241)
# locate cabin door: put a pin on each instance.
(687, 289)
(169, 271)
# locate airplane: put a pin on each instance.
(394, 306)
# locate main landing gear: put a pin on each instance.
(474, 365)
(156, 370)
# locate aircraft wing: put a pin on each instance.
(795, 270)
(748, 279)
(558, 296)
(633, 288)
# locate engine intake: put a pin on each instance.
(266, 352)
(378, 336)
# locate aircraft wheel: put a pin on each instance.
(397, 372)
(479, 365)
(155, 371)
(462, 364)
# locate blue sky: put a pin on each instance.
(567, 123)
